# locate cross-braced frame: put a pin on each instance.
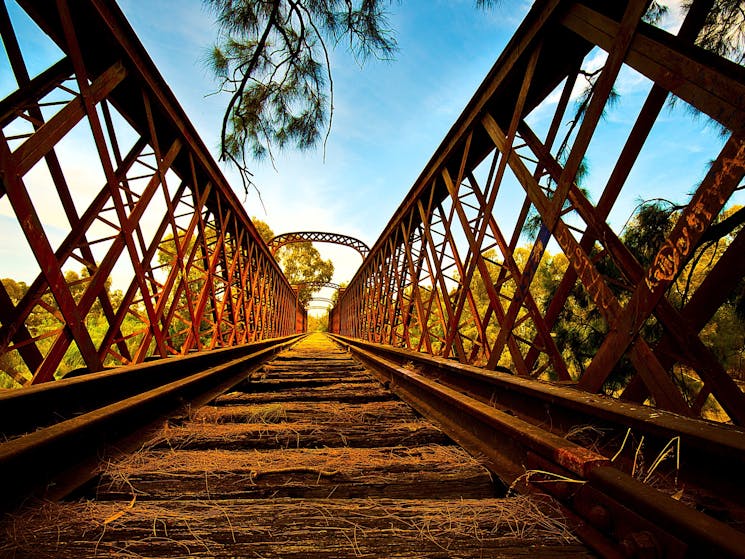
(450, 278)
(189, 270)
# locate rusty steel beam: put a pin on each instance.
(446, 279)
(318, 237)
(60, 449)
(515, 423)
(192, 270)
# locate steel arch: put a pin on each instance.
(318, 284)
(320, 237)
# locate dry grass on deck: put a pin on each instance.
(281, 528)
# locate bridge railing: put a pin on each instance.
(497, 215)
(140, 247)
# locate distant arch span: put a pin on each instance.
(318, 237)
(318, 284)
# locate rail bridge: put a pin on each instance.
(638, 447)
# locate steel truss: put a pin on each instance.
(199, 275)
(318, 284)
(443, 249)
(318, 237)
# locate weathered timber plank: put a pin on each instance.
(338, 392)
(319, 362)
(314, 368)
(339, 375)
(432, 471)
(299, 353)
(314, 412)
(294, 383)
(288, 528)
(244, 436)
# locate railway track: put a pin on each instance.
(635, 480)
(310, 456)
(301, 442)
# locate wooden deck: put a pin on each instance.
(310, 458)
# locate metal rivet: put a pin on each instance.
(600, 518)
(640, 545)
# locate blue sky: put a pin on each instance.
(389, 118)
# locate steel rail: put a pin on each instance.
(519, 425)
(40, 405)
(711, 448)
(56, 459)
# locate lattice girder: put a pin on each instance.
(317, 237)
(467, 289)
(188, 266)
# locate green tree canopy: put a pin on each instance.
(45, 320)
(273, 58)
(264, 230)
(300, 262)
